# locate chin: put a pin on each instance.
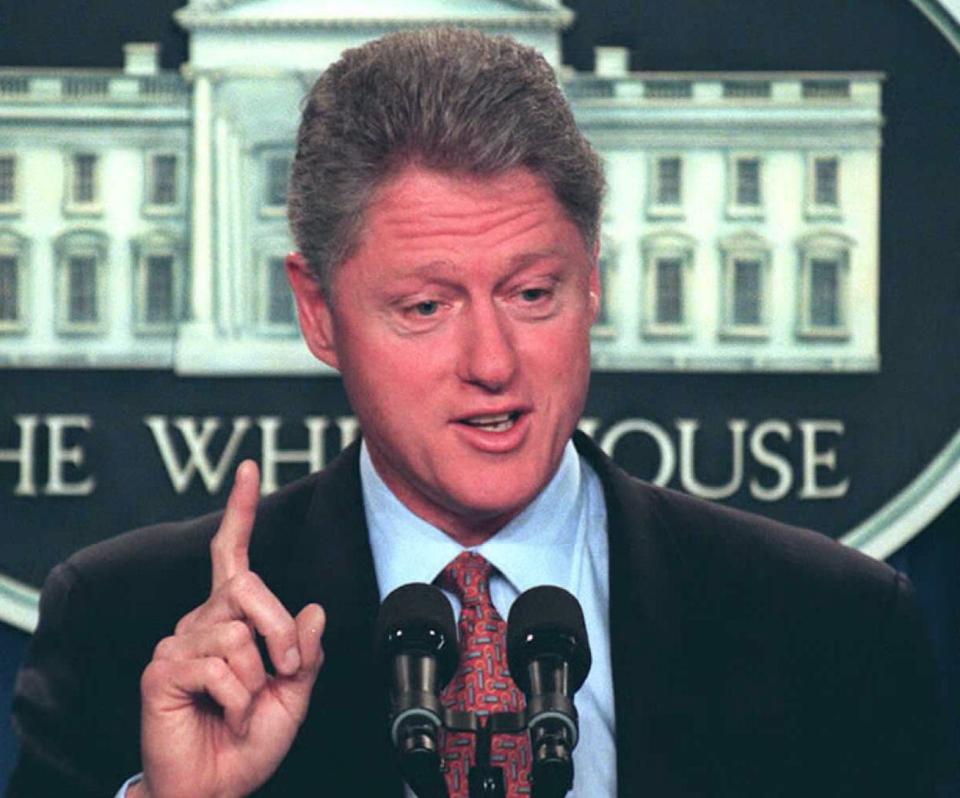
(492, 501)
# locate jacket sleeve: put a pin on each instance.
(65, 702)
(899, 712)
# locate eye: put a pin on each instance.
(428, 307)
(533, 294)
(536, 298)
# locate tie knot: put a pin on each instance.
(467, 577)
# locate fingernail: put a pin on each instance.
(291, 660)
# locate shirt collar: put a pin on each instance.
(532, 549)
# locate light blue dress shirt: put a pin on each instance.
(559, 539)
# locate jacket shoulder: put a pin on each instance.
(717, 559)
(151, 556)
(705, 535)
(747, 544)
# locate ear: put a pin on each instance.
(313, 310)
(595, 287)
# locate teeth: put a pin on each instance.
(497, 423)
(484, 420)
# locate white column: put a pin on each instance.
(202, 221)
(224, 309)
(240, 256)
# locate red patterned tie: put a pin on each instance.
(482, 683)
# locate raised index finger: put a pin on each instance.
(228, 548)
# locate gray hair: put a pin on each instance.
(448, 99)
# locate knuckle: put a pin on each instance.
(155, 676)
(215, 670)
(246, 582)
(164, 649)
(236, 634)
(187, 621)
(282, 629)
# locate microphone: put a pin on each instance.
(415, 642)
(549, 657)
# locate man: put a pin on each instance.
(446, 210)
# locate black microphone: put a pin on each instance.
(549, 657)
(415, 642)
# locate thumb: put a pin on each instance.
(294, 690)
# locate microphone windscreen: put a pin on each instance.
(553, 613)
(413, 610)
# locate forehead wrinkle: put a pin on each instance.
(448, 270)
(474, 219)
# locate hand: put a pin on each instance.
(213, 722)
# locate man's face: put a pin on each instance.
(461, 328)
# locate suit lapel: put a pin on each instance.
(344, 742)
(647, 653)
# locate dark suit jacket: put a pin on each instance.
(749, 658)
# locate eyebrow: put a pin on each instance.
(443, 270)
(529, 258)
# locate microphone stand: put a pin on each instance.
(484, 779)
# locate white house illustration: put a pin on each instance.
(142, 219)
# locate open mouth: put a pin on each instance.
(499, 422)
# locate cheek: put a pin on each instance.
(387, 381)
(560, 365)
(563, 347)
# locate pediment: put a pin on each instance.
(227, 14)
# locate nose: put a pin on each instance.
(488, 355)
